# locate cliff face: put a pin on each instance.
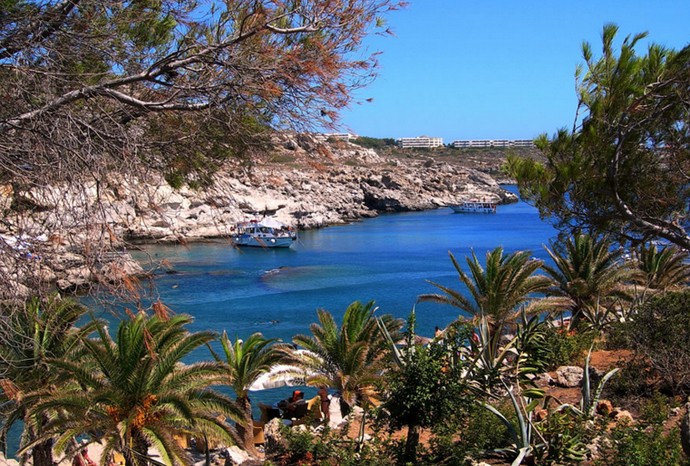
(314, 185)
(301, 182)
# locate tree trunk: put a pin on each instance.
(410, 455)
(138, 453)
(42, 454)
(245, 430)
(363, 427)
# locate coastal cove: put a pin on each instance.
(387, 259)
(210, 257)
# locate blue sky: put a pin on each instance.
(461, 69)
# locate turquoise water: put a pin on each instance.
(387, 259)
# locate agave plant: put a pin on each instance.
(525, 438)
(590, 400)
(524, 395)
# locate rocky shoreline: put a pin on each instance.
(321, 185)
(302, 182)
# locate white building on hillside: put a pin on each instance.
(475, 143)
(338, 136)
(523, 143)
(420, 141)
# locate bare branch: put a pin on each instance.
(38, 30)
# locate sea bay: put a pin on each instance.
(388, 259)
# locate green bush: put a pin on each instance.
(645, 443)
(632, 446)
(629, 382)
(660, 333)
(482, 432)
(566, 347)
(565, 435)
(175, 179)
(326, 448)
(373, 143)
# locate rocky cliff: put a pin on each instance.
(302, 182)
(314, 185)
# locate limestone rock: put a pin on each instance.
(120, 269)
(598, 444)
(7, 462)
(275, 442)
(543, 380)
(569, 376)
(625, 417)
(234, 455)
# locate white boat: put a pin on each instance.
(266, 233)
(474, 207)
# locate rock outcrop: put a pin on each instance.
(354, 184)
(569, 376)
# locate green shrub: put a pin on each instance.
(566, 347)
(482, 432)
(175, 179)
(326, 448)
(373, 143)
(565, 436)
(660, 333)
(630, 382)
(632, 446)
(645, 443)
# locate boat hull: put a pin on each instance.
(474, 208)
(262, 242)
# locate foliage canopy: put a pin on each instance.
(623, 169)
(88, 84)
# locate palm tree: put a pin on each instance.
(497, 292)
(35, 333)
(662, 270)
(349, 358)
(588, 274)
(246, 361)
(133, 392)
